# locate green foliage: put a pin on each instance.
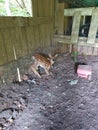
(2, 12)
(19, 12)
(1, 1)
(15, 9)
(74, 55)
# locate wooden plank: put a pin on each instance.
(87, 51)
(30, 39)
(41, 26)
(9, 22)
(42, 35)
(51, 25)
(15, 36)
(51, 7)
(47, 34)
(7, 35)
(95, 51)
(80, 49)
(23, 40)
(40, 8)
(46, 26)
(66, 21)
(93, 27)
(51, 32)
(84, 11)
(56, 17)
(40, 20)
(75, 27)
(66, 39)
(3, 55)
(84, 50)
(60, 18)
(62, 39)
(13, 21)
(36, 36)
(12, 38)
(35, 8)
(46, 8)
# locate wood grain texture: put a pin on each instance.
(93, 27)
(27, 33)
(3, 54)
(60, 18)
(75, 27)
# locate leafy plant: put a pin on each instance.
(74, 55)
(16, 7)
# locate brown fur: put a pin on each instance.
(43, 61)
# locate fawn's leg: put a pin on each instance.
(34, 69)
(47, 71)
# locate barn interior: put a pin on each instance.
(66, 99)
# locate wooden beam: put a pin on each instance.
(60, 13)
(40, 20)
(75, 27)
(3, 53)
(8, 22)
(84, 11)
(82, 41)
(56, 15)
(93, 27)
(13, 21)
(35, 8)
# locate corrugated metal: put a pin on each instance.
(81, 3)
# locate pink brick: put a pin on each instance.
(84, 71)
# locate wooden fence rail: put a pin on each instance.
(74, 39)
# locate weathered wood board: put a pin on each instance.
(27, 33)
(84, 11)
(78, 18)
(93, 27)
(75, 27)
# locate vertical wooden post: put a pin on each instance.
(55, 15)
(75, 27)
(59, 19)
(34, 8)
(93, 27)
(66, 20)
(60, 13)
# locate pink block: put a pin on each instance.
(84, 71)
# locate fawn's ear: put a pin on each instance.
(52, 57)
(55, 55)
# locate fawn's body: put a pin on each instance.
(43, 61)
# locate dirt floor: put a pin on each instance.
(61, 101)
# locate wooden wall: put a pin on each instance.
(84, 45)
(27, 34)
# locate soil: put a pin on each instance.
(52, 102)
